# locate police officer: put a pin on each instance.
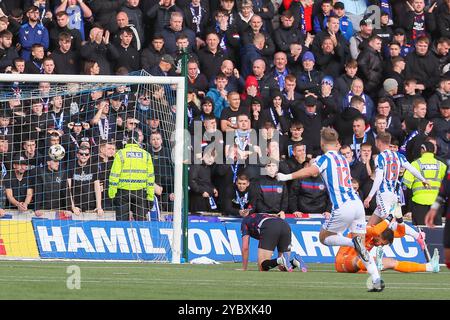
(131, 181)
(422, 198)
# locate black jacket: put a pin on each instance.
(370, 67)
(100, 53)
(160, 16)
(331, 64)
(272, 196)
(425, 69)
(128, 58)
(309, 81)
(344, 122)
(434, 103)
(6, 58)
(283, 38)
(150, 57)
(312, 125)
(210, 63)
(443, 22)
(199, 182)
(309, 196)
(66, 63)
(342, 85)
(105, 11)
(231, 204)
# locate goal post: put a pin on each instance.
(142, 82)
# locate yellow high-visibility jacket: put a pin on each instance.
(132, 169)
(433, 170)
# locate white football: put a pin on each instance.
(56, 152)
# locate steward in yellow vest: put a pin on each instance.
(422, 198)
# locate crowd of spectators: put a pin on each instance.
(285, 68)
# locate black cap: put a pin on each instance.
(339, 5)
(168, 58)
(77, 123)
(427, 146)
(445, 104)
(365, 22)
(310, 101)
(399, 31)
(18, 158)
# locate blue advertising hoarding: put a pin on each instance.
(220, 241)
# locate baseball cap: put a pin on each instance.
(77, 123)
(445, 104)
(310, 101)
(308, 56)
(399, 31)
(168, 58)
(339, 5)
(365, 22)
(19, 159)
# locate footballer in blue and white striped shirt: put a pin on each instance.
(348, 210)
(388, 164)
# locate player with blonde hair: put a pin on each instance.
(347, 208)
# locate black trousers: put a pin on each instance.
(134, 201)
(419, 211)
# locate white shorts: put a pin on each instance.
(350, 215)
(385, 201)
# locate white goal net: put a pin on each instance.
(90, 168)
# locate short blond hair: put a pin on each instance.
(329, 136)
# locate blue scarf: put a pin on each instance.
(302, 19)
(402, 149)
(280, 77)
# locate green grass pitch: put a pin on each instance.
(48, 280)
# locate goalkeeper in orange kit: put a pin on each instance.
(347, 259)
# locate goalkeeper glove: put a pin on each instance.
(398, 213)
